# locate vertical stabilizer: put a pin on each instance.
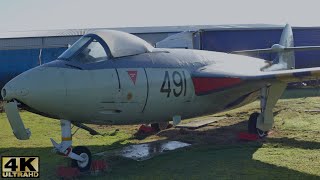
(287, 58)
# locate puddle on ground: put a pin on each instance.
(141, 152)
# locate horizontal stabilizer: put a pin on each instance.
(276, 48)
(285, 58)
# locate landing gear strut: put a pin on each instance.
(81, 156)
(261, 123)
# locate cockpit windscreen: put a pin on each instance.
(86, 50)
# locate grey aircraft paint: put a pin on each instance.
(112, 77)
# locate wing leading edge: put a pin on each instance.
(206, 82)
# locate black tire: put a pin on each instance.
(252, 126)
(82, 151)
(252, 122)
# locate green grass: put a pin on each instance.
(292, 150)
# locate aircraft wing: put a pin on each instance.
(288, 76)
(207, 80)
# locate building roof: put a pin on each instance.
(133, 30)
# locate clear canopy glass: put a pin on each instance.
(86, 50)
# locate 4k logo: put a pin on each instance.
(16, 167)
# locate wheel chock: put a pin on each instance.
(247, 136)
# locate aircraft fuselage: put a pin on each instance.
(150, 87)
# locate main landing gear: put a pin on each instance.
(261, 123)
(160, 126)
(81, 156)
(252, 126)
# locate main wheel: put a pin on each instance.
(84, 153)
(160, 126)
(252, 126)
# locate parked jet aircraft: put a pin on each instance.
(111, 77)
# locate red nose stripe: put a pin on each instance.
(206, 85)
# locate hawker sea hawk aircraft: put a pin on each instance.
(110, 77)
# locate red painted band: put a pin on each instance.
(205, 85)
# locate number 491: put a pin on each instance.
(179, 82)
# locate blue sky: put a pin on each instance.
(21, 15)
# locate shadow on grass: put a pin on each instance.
(216, 154)
(290, 142)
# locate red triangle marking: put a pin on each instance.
(133, 76)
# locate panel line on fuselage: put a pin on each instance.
(145, 104)
(118, 79)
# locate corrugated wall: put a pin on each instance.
(20, 54)
(307, 37)
(231, 40)
(14, 62)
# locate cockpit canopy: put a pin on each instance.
(103, 45)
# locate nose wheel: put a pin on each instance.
(85, 153)
(80, 156)
(252, 126)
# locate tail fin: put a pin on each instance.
(285, 49)
(286, 58)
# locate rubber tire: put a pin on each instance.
(252, 122)
(78, 150)
(252, 125)
(160, 126)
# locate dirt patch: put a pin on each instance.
(222, 132)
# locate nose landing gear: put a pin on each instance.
(85, 154)
(81, 156)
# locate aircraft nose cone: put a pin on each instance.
(41, 89)
(13, 90)
(8, 93)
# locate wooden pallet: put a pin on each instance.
(198, 123)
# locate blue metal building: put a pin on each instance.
(241, 39)
(20, 51)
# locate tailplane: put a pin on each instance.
(285, 51)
